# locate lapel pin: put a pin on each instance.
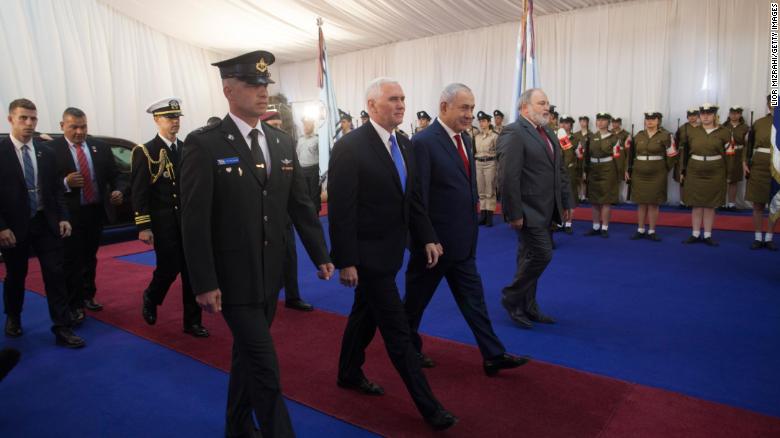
(261, 165)
(229, 169)
(230, 137)
(277, 141)
(94, 149)
(240, 172)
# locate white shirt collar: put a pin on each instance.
(383, 134)
(166, 141)
(449, 130)
(244, 128)
(18, 143)
(71, 144)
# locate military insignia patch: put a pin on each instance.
(261, 65)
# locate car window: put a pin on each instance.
(123, 157)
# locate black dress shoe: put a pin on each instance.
(770, 246)
(441, 420)
(654, 237)
(489, 219)
(65, 337)
(540, 317)
(604, 234)
(757, 244)
(77, 316)
(516, 315)
(197, 331)
(364, 386)
(93, 305)
(709, 242)
(298, 304)
(637, 235)
(149, 310)
(593, 232)
(13, 326)
(503, 362)
(568, 230)
(425, 360)
(692, 239)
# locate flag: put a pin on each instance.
(629, 141)
(671, 151)
(526, 69)
(774, 200)
(616, 149)
(327, 130)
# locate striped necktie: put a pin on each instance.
(29, 180)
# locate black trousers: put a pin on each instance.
(81, 253)
(378, 304)
(466, 286)
(49, 249)
(311, 174)
(291, 290)
(254, 374)
(534, 253)
(170, 262)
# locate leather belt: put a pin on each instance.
(706, 157)
(649, 157)
(600, 160)
(484, 159)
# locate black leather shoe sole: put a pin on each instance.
(442, 420)
(299, 305)
(197, 331)
(365, 387)
(492, 367)
(93, 305)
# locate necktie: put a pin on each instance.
(398, 159)
(257, 154)
(29, 180)
(547, 141)
(88, 191)
(463, 156)
(174, 153)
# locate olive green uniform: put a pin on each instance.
(602, 169)
(572, 163)
(759, 183)
(704, 166)
(650, 166)
(485, 156)
(681, 133)
(734, 162)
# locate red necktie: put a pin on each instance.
(462, 153)
(88, 191)
(543, 134)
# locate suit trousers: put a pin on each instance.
(378, 304)
(48, 248)
(466, 286)
(254, 374)
(311, 174)
(291, 290)
(81, 253)
(534, 253)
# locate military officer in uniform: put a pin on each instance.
(623, 136)
(345, 124)
(553, 118)
(155, 197)
(570, 161)
(363, 117)
(485, 157)
(693, 121)
(649, 160)
(602, 172)
(240, 179)
(758, 165)
(581, 138)
(704, 171)
(736, 154)
(498, 121)
(423, 120)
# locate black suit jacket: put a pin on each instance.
(156, 204)
(14, 206)
(449, 196)
(368, 212)
(233, 223)
(104, 164)
(533, 187)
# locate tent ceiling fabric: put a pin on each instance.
(288, 27)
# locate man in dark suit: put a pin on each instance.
(32, 215)
(240, 181)
(536, 193)
(90, 177)
(447, 187)
(371, 209)
(155, 195)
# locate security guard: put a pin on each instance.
(485, 156)
(704, 171)
(155, 196)
(581, 138)
(758, 165)
(423, 120)
(735, 158)
(240, 179)
(649, 160)
(498, 121)
(682, 132)
(603, 172)
(571, 162)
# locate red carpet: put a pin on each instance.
(539, 399)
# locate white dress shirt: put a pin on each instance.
(90, 163)
(385, 136)
(452, 135)
(33, 156)
(245, 129)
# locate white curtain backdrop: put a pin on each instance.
(84, 54)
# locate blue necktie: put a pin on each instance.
(398, 159)
(29, 180)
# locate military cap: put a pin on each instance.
(735, 109)
(708, 108)
(251, 67)
(617, 119)
(692, 112)
(363, 114)
(653, 115)
(604, 115)
(483, 116)
(423, 115)
(344, 116)
(170, 107)
(553, 110)
(584, 118)
(565, 118)
(498, 113)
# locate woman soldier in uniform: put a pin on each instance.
(602, 173)
(485, 156)
(682, 131)
(703, 173)
(738, 130)
(570, 161)
(580, 140)
(651, 158)
(757, 166)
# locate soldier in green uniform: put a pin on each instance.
(581, 138)
(423, 120)
(736, 154)
(617, 129)
(602, 172)
(651, 156)
(553, 118)
(485, 157)
(571, 162)
(703, 172)
(758, 168)
(682, 131)
(498, 121)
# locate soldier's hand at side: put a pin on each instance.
(210, 301)
(432, 253)
(326, 271)
(7, 238)
(74, 180)
(348, 276)
(745, 169)
(567, 214)
(146, 236)
(627, 176)
(116, 197)
(516, 224)
(65, 229)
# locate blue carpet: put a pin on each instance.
(120, 385)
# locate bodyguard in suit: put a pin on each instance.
(240, 181)
(447, 188)
(536, 193)
(32, 215)
(89, 176)
(370, 211)
(156, 202)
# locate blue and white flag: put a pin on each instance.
(774, 201)
(526, 69)
(327, 131)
